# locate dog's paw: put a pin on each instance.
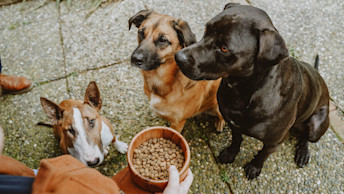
(106, 150)
(227, 155)
(220, 124)
(121, 146)
(252, 171)
(302, 156)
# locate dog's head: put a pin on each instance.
(82, 132)
(240, 41)
(159, 37)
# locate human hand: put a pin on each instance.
(173, 185)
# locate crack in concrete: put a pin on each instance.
(63, 50)
(217, 164)
(79, 72)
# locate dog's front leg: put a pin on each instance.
(302, 153)
(253, 168)
(178, 125)
(228, 154)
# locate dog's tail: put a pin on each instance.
(316, 63)
(45, 124)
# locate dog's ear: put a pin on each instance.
(53, 111)
(138, 18)
(229, 5)
(185, 36)
(92, 96)
(272, 49)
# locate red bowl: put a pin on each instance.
(156, 132)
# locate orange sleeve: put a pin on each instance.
(11, 166)
(124, 181)
(66, 174)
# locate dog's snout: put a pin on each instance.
(137, 58)
(93, 163)
(181, 58)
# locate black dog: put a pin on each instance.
(264, 93)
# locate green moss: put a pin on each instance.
(13, 26)
(293, 53)
(224, 177)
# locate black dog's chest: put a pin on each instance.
(242, 105)
(233, 106)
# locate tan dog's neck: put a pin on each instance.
(161, 81)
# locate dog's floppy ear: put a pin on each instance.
(185, 36)
(53, 111)
(272, 49)
(138, 18)
(92, 96)
(229, 5)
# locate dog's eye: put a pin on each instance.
(141, 34)
(92, 122)
(71, 130)
(224, 49)
(164, 40)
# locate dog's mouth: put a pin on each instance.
(147, 66)
(146, 62)
(194, 73)
(88, 156)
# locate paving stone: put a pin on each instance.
(102, 38)
(33, 51)
(15, 15)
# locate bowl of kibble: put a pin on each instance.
(150, 154)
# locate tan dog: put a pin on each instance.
(82, 132)
(172, 95)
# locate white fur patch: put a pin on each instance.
(106, 136)
(84, 149)
(154, 100)
(154, 104)
(121, 146)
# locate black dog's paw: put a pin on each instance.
(227, 155)
(252, 171)
(302, 156)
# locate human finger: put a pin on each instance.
(173, 177)
(185, 185)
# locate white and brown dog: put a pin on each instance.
(82, 132)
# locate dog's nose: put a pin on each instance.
(93, 163)
(137, 58)
(181, 58)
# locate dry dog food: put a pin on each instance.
(154, 157)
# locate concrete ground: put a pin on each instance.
(62, 50)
